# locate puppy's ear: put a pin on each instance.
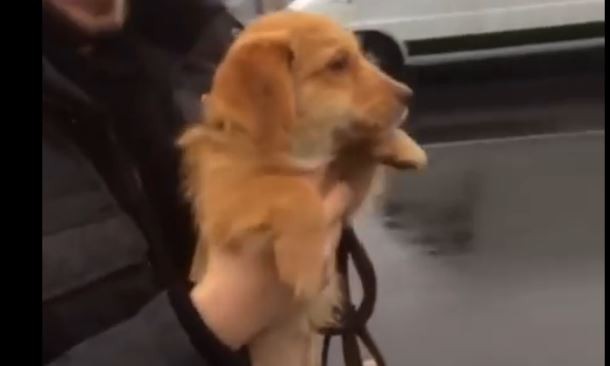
(400, 151)
(253, 89)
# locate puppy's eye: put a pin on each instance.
(338, 64)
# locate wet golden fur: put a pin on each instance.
(293, 94)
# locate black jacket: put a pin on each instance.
(116, 233)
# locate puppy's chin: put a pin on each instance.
(370, 128)
(403, 164)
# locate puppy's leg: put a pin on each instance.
(300, 244)
(399, 150)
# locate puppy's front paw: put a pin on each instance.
(400, 151)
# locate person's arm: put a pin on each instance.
(236, 300)
(168, 331)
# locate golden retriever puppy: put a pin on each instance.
(293, 94)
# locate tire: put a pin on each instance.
(382, 51)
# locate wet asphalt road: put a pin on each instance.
(494, 256)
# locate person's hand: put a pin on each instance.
(93, 17)
(240, 295)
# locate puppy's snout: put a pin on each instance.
(404, 93)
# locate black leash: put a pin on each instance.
(352, 325)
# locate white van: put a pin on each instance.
(394, 30)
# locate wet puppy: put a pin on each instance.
(293, 94)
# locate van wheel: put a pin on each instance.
(382, 51)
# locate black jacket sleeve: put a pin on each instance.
(166, 332)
